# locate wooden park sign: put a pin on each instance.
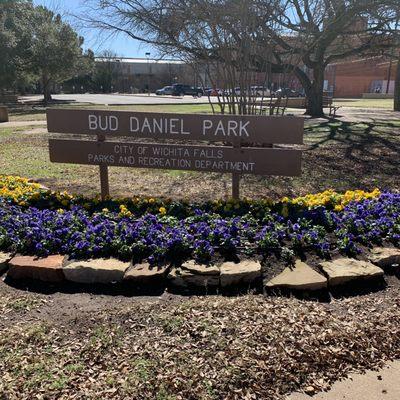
(235, 158)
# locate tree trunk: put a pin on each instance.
(314, 103)
(46, 90)
(314, 90)
(397, 88)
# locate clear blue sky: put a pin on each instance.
(121, 45)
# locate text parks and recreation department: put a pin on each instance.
(163, 157)
(185, 157)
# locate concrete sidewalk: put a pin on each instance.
(373, 385)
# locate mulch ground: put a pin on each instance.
(84, 346)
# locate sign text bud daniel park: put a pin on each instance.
(238, 131)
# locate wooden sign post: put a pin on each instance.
(236, 179)
(103, 168)
(237, 159)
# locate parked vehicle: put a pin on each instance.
(166, 90)
(260, 91)
(213, 92)
(235, 91)
(287, 92)
(182, 90)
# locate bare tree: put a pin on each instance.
(240, 38)
(323, 32)
(217, 38)
(107, 71)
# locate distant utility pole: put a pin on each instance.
(148, 73)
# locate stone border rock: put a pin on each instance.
(144, 274)
(195, 277)
(192, 277)
(299, 277)
(100, 270)
(4, 260)
(48, 269)
(244, 273)
(344, 270)
(387, 258)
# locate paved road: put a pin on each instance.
(122, 99)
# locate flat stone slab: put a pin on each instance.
(242, 273)
(385, 256)
(99, 270)
(194, 275)
(4, 259)
(144, 274)
(47, 269)
(299, 277)
(200, 269)
(344, 270)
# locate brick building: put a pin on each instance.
(355, 77)
(349, 78)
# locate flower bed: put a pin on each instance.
(19, 191)
(202, 235)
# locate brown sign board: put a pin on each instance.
(262, 161)
(216, 128)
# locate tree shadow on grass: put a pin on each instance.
(377, 140)
(347, 155)
(359, 134)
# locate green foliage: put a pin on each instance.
(37, 44)
(15, 36)
(57, 53)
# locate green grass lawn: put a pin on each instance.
(365, 103)
(39, 113)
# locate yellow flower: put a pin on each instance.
(124, 212)
(162, 210)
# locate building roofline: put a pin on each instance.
(366, 59)
(140, 60)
